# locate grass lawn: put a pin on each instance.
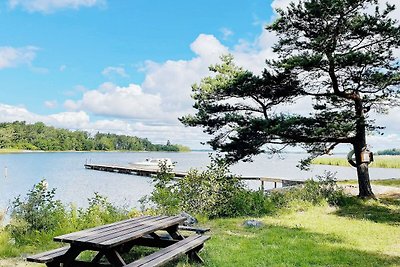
(361, 233)
(319, 236)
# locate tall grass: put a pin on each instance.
(379, 161)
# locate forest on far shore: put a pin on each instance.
(391, 152)
(38, 136)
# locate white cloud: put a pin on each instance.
(69, 120)
(10, 113)
(51, 103)
(110, 71)
(112, 100)
(62, 68)
(13, 57)
(282, 4)
(226, 33)
(81, 121)
(165, 93)
(48, 6)
(207, 46)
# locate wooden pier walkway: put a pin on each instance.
(128, 170)
(150, 172)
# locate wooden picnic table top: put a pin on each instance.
(115, 234)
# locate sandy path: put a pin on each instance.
(379, 190)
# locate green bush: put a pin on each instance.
(38, 212)
(313, 192)
(100, 211)
(38, 217)
(164, 197)
(211, 193)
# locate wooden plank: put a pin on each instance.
(148, 229)
(169, 253)
(75, 235)
(118, 234)
(48, 256)
(129, 170)
(117, 229)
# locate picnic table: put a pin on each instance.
(113, 240)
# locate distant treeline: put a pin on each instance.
(38, 136)
(392, 152)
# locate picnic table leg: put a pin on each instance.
(98, 257)
(193, 256)
(70, 256)
(173, 232)
(114, 258)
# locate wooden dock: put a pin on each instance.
(153, 172)
(128, 170)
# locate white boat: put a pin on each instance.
(152, 164)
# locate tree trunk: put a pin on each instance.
(360, 143)
(364, 185)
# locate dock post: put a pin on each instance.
(262, 185)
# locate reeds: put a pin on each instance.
(379, 161)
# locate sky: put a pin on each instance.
(127, 67)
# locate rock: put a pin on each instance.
(253, 223)
(190, 220)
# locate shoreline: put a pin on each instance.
(22, 151)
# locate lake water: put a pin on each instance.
(75, 184)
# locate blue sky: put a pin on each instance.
(125, 66)
(72, 46)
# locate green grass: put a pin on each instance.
(379, 161)
(362, 233)
(320, 236)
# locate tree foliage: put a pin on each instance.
(336, 55)
(38, 136)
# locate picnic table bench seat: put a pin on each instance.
(188, 245)
(48, 256)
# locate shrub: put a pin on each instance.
(211, 193)
(38, 212)
(100, 211)
(164, 196)
(215, 192)
(39, 216)
(313, 192)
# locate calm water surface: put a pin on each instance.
(75, 184)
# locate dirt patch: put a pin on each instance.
(379, 190)
(17, 263)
